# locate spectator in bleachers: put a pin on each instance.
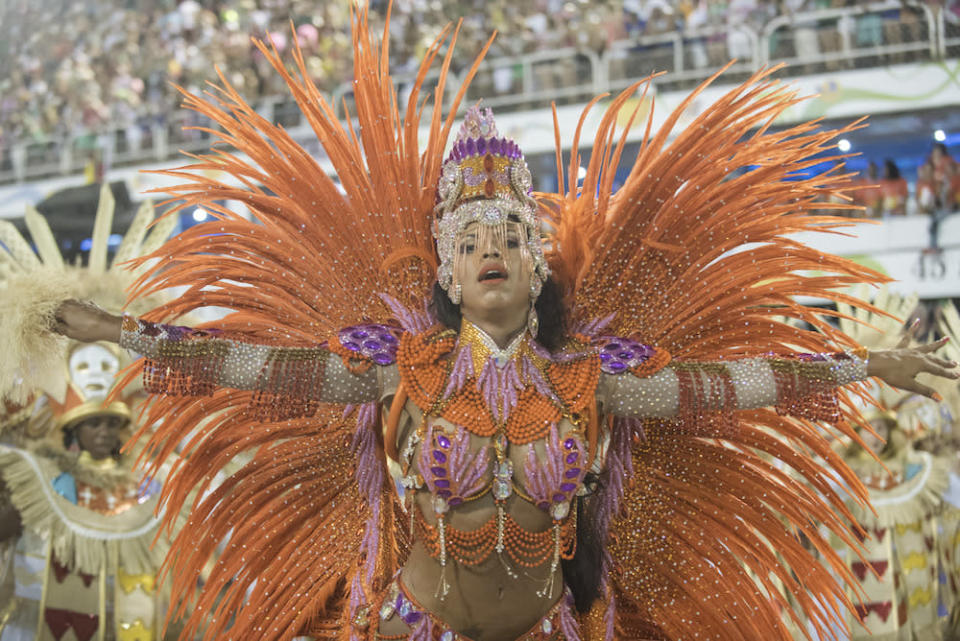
(925, 190)
(902, 25)
(871, 196)
(946, 177)
(806, 42)
(893, 190)
(949, 187)
(940, 159)
(696, 17)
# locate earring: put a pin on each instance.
(536, 285)
(454, 293)
(533, 321)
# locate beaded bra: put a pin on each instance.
(514, 396)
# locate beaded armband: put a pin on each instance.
(362, 346)
(806, 383)
(618, 355)
(287, 381)
(178, 361)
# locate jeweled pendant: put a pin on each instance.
(360, 619)
(440, 505)
(502, 490)
(559, 511)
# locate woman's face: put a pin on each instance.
(493, 269)
(99, 435)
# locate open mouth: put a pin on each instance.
(492, 273)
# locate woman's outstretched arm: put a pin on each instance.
(785, 382)
(183, 360)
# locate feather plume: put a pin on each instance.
(43, 238)
(35, 285)
(132, 243)
(102, 225)
(33, 356)
(694, 254)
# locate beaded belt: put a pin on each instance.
(426, 626)
(472, 547)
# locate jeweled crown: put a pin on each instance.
(485, 179)
(484, 159)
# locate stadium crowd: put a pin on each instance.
(69, 67)
(78, 69)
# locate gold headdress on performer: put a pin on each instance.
(485, 180)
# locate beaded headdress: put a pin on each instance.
(485, 179)
(72, 380)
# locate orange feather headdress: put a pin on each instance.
(689, 255)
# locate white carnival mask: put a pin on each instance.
(93, 369)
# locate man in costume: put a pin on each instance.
(86, 561)
(77, 481)
(907, 586)
(568, 444)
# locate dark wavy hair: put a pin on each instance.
(582, 572)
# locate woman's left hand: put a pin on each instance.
(899, 366)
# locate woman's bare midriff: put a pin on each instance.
(490, 601)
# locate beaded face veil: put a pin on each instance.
(485, 180)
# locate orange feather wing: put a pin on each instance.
(294, 521)
(693, 254)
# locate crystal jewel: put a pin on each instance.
(360, 619)
(387, 610)
(559, 511)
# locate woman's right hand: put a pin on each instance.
(86, 322)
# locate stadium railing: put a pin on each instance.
(827, 40)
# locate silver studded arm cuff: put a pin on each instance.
(802, 385)
(185, 361)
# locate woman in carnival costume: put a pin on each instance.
(544, 438)
(87, 549)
